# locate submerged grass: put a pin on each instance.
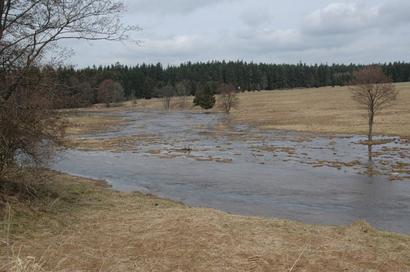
(75, 224)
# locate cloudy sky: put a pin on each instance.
(273, 31)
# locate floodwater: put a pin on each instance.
(204, 161)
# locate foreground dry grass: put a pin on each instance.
(86, 227)
(323, 110)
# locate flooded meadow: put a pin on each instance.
(205, 160)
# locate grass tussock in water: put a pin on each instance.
(68, 223)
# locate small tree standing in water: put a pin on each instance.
(373, 91)
(228, 98)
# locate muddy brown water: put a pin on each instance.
(204, 161)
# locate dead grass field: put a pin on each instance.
(84, 121)
(83, 226)
(321, 110)
(116, 144)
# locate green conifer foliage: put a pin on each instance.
(205, 98)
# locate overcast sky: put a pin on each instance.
(272, 31)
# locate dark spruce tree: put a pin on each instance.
(205, 98)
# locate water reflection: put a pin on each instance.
(370, 163)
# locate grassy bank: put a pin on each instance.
(72, 224)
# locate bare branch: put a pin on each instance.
(373, 91)
(28, 28)
(228, 98)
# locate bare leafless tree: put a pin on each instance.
(228, 99)
(182, 90)
(110, 91)
(373, 91)
(29, 126)
(166, 93)
(166, 102)
(74, 92)
(29, 29)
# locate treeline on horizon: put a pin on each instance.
(143, 81)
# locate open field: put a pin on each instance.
(74, 224)
(323, 110)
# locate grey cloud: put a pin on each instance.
(395, 12)
(173, 45)
(348, 31)
(340, 18)
(267, 40)
(169, 6)
(351, 17)
(256, 17)
(290, 41)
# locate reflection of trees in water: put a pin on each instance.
(370, 163)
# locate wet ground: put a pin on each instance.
(204, 160)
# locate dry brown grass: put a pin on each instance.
(92, 228)
(323, 110)
(83, 122)
(116, 144)
(177, 103)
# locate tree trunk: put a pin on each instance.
(370, 137)
(371, 122)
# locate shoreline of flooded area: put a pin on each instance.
(203, 160)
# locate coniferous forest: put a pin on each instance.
(143, 81)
